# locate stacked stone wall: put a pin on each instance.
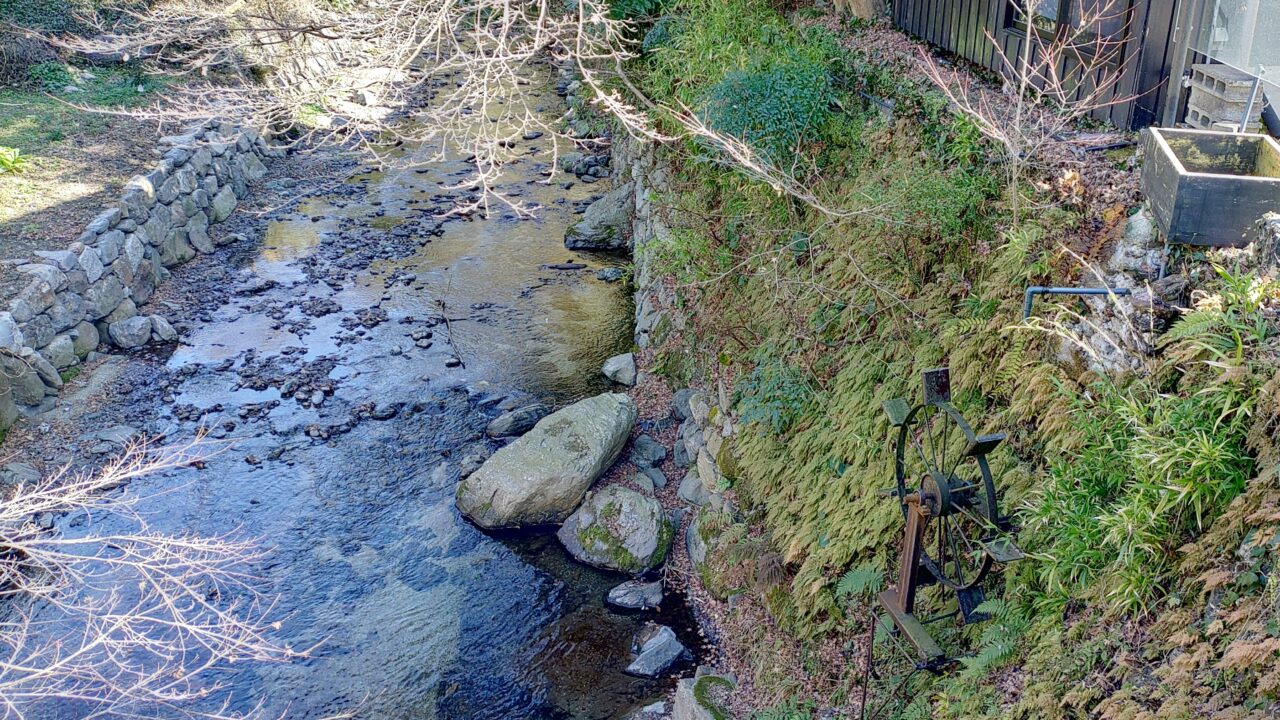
(93, 291)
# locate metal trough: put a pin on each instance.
(1209, 188)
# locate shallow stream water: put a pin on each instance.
(356, 394)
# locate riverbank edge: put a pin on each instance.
(700, 446)
(89, 293)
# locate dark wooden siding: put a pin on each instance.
(968, 27)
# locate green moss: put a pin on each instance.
(666, 533)
(70, 373)
(703, 688)
(595, 537)
(725, 460)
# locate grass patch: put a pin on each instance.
(32, 120)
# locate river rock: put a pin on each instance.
(18, 473)
(636, 595)
(603, 225)
(64, 260)
(695, 543)
(11, 337)
(84, 338)
(223, 203)
(619, 529)
(643, 483)
(654, 711)
(542, 476)
(680, 402)
(162, 331)
(131, 333)
(701, 698)
(516, 422)
(621, 369)
(47, 373)
(656, 476)
(647, 452)
(125, 310)
(691, 489)
(56, 278)
(657, 648)
(60, 352)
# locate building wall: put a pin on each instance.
(975, 30)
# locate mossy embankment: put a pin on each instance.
(1144, 498)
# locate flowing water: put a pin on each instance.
(414, 612)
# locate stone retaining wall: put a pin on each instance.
(90, 292)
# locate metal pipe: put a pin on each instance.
(1253, 98)
(1035, 290)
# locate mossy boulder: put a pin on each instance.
(541, 477)
(605, 223)
(704, 697)
(619, 529)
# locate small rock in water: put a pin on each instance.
(656, 711)
(618, 528)
(621, 369)
(118, 436)
(612, 274)
(516, 422)
(636, 595)
(657, 649)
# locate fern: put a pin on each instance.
(863, 581)
(999, 641)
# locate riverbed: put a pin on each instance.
(352, 357)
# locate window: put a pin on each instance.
(1082, 18)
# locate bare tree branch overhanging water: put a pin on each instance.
(450, 75)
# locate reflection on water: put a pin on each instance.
(414, 612)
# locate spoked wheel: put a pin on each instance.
(891, 672)
(940, 458)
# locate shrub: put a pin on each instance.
(18, 53)
(1152, 471)
(49, 75)
(661, 34)
(46, 15)
(774, 105)
(11, 160)
(774, 396)
(634, 9)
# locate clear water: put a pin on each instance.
(416, 613)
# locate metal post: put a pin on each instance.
(1253, 98)
(909, 563)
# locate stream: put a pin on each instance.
(353, 362)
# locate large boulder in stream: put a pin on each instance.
(605, 222)
(543, 475)
(619, 529)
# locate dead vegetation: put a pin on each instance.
(107, 616)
